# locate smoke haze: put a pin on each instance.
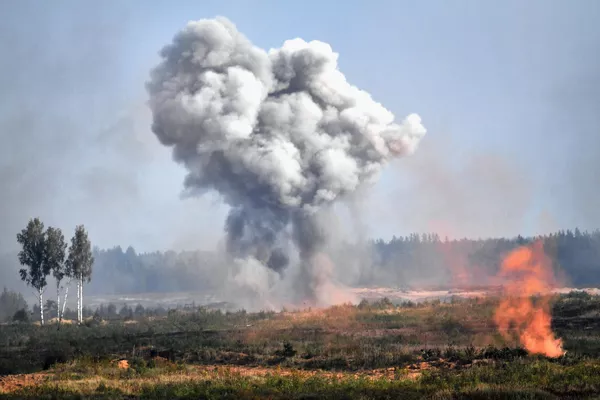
(77, 148)
(53, 115)
(509, 92)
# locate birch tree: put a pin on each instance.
(33, 257)
(79, 264)
(69, 275)
(55, 258)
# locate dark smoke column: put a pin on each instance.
(280, 135)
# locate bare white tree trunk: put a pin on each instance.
(62, 313)
(78, 299)
(81, 305)
(58, 301)
(41, 293)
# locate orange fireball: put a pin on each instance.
(527, 272)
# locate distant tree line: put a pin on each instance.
(119, 271)
(428, 259)
(14, 308)
(414, 260)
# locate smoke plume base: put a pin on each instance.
(280, 135)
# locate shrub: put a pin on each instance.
(288, 350)
(60, 354)
(21, 316)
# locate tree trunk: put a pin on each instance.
(78, 299)
(58, 316)
(81, 305)
(41, 306)
(62, 313)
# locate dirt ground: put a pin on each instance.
(13, 383)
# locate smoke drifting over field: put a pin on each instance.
(281, 135)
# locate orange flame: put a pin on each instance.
(528, 273)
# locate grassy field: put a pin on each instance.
(430, 350)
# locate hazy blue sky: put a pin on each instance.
(508, 90)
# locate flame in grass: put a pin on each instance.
(527, 272)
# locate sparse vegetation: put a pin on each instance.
(374, 350)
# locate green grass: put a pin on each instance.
(520, 380)
(331, 353)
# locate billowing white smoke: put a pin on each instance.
(280, 135)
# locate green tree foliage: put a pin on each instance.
(80, 259)
(79, 264)
(42, 251)
(111, 311)
(33, 256)
(139, 310)
(126, 312)
(50, 307)
(21, 316)
(55, 260)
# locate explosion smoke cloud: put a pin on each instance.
(281, 135)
